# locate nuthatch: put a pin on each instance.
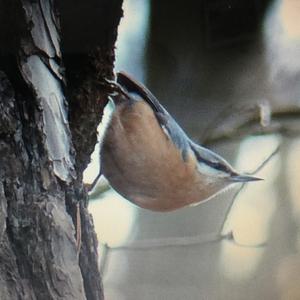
(149, 159)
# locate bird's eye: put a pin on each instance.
(219, 166)
(215, 164)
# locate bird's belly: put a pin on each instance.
(143, 165)
(154, 189)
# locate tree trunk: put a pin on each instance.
(53, 56)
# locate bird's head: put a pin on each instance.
(218, 173)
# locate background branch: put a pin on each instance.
(237, 122)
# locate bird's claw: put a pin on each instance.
(114, 88)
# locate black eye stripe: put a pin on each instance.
(214, 164)
(219, 166)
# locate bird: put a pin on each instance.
(149, 159)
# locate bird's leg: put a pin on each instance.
(90, 187)
(78, 228)
(113, 88)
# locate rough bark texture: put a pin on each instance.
(50, 105)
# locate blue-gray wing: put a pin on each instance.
(168, 124)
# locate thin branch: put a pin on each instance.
(259, 168)
(264, 163)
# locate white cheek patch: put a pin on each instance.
(204, 168)
(211, 172)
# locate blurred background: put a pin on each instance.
(212, 63)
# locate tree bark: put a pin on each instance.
(53, 56)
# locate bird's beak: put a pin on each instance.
(244, 178)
